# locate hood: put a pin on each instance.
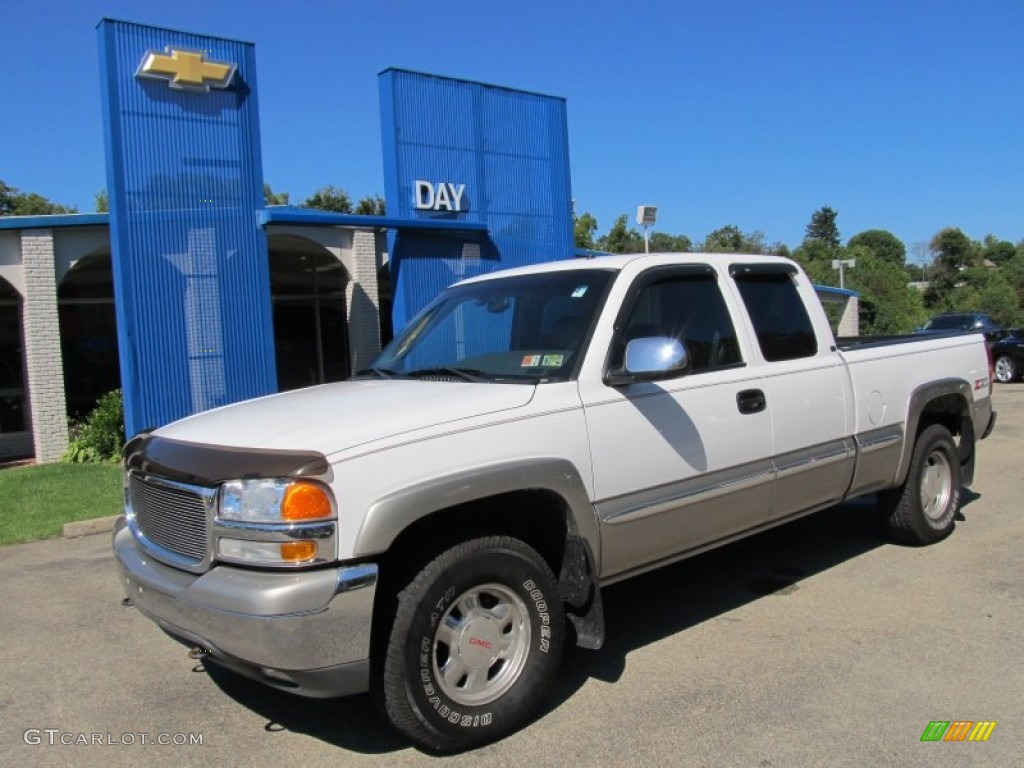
(335, 417)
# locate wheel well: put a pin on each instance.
(537, 517)
(951, 411)
(948, 410)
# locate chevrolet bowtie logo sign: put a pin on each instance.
(186, 70)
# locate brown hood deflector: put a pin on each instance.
(210, 465)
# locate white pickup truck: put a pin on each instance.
(437, 528)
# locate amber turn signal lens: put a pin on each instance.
(305, 501)
(298, 551)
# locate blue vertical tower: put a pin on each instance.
(185, 180)
(465, 151)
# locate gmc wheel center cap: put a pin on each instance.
(479, 642)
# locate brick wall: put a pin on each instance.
(362, 300)
(47, 404)
(849, 323)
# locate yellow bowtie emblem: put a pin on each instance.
(186, 70)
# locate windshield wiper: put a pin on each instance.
(384, 373)
(468, 374)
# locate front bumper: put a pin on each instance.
(307, 632)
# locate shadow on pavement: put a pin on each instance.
(656, 605)
(352, 723)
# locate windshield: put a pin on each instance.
(529, 328)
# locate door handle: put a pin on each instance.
(751, 401)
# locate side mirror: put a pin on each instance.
(651, 358)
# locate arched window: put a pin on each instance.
(307, 286)
(88, 333)
(386, 301)
(12, 361)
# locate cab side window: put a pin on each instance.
(780, 319)
(689, 308)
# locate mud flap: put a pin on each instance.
(582, 594)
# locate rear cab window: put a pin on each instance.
(777, 312)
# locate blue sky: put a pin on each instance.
(903, 115)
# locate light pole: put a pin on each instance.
(645, 215)
(840, 264)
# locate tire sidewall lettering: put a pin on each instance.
(540, 606)
(423, 684)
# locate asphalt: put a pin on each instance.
(816, 644)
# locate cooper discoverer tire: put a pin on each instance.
(476, 641)
(923, 510)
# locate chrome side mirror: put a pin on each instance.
(655, 357)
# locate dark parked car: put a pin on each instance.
(1008, 355)
(950, 322)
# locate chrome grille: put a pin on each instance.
(171, 517)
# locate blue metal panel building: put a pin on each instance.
(185, 180)
(476, 179)
(465, 151)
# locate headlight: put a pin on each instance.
(274, 501)
(275, 522)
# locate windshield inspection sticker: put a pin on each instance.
(580, 292)
(552, 361)
(530, 361)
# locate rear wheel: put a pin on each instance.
(923, 510)
(477, 639)
(1006, 369)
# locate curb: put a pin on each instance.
(89, 527)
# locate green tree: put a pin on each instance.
(7, 196)
(731, 239)
(915, 272)
(823, 227)
(584, 228)
(15, 203)
(997, 251)
(888, 305)
(621, 239)
(953, 250)
(665, 243)
(270, 197)
(986, 289)
(1013, 270)
(371, 206)
(727, 239)
(884, 244)
(329, 198)
(952, 253)
(816, 259)
(102, 201)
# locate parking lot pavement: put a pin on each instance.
(816, 644)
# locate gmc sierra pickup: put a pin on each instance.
(437, 528)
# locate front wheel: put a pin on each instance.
(1006, 369)
(477, 638)
(923, 510)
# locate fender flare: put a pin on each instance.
(919, 398)
(393, 513)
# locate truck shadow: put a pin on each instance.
(351, 723)
(638, 612)
(770, 565)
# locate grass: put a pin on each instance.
(35, 502)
